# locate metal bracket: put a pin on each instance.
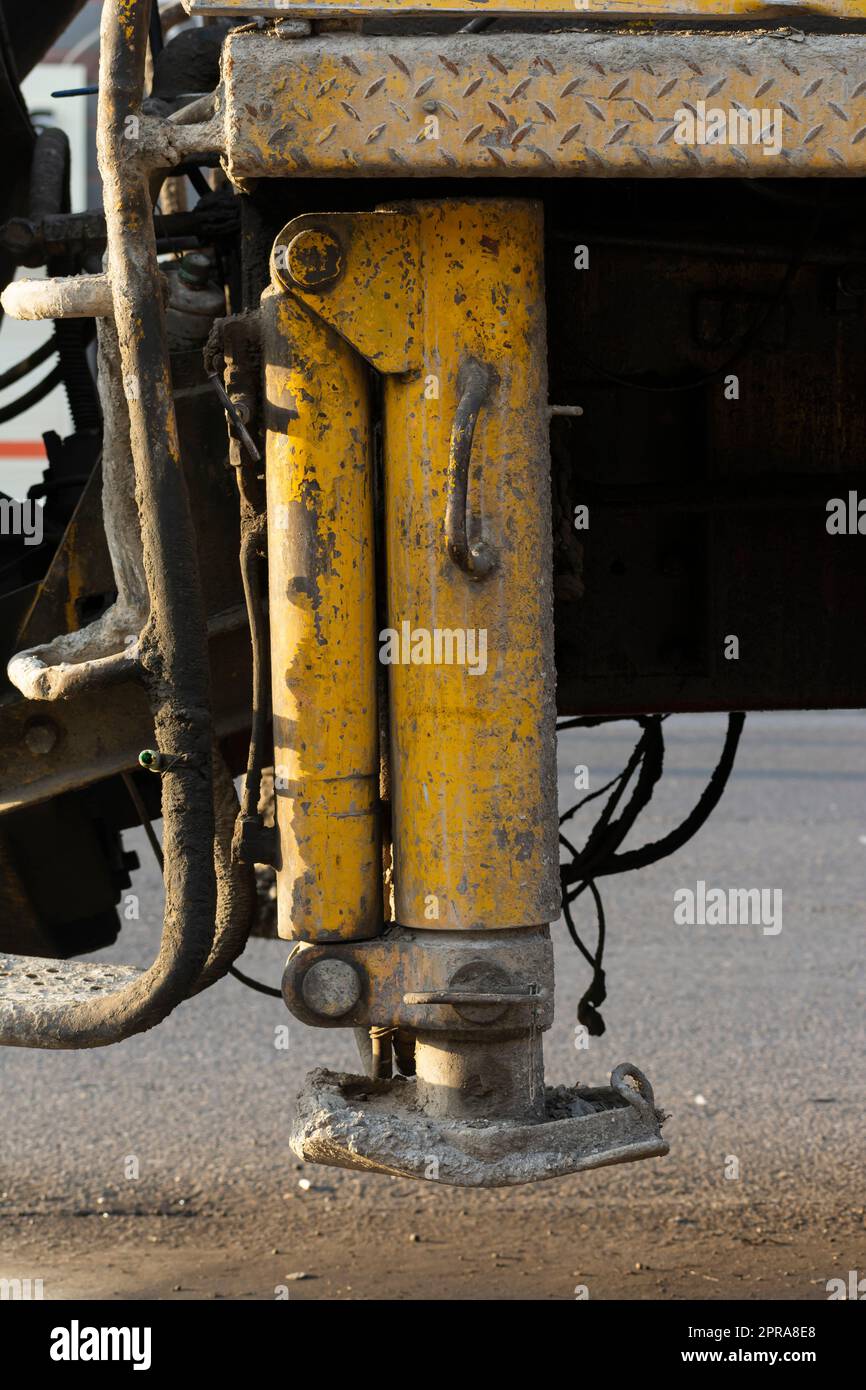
(454, 982)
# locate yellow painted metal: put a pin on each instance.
(312, 257)
(629, 9)
(473, 755)
(472, 740)
(374, 299)
(550, 105)
(322, 618)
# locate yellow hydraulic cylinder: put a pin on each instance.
(468, 535)
(322, 621)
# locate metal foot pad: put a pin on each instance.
(353, 1122)
(29, 984)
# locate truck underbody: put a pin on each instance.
(506, 372)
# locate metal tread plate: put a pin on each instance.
(34, 980)
(545, 105)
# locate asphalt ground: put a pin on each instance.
(161, 1168)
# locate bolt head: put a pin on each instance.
(331, 987)
(313, 258)
(19, 235)
(40, 736)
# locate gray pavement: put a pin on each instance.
(754, 1042)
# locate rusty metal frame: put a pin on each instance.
(209, 900)
(99, 733)
(543, 105)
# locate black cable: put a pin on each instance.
(607, 834)
(603, 860)
(596, 993)
(28, 364)
(141, 809)
(708, 801)
(37, 393)
(255, 984)
(250, 556)
(599, 855)
(591, 796)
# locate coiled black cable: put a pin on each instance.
(599, 855)
(36, 394)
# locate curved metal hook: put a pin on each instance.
(643, 1098)
(476, 558)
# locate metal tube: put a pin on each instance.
(322, 615)
(173, 645)
(71, 297)
(470, 1078)
(105, 650)
(174, 642)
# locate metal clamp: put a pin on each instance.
(236, 417)
(476, 558)
(152, 761)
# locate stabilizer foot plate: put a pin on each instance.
(353, 1122)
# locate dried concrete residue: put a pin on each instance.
(353, 1122)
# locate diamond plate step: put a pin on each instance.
(544, 105)
(34, 982)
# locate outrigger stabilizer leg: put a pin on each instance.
(445, 300)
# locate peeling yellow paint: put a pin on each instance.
(472, 756)
(323, 652)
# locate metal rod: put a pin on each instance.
(75, 92)
(174, 642)
(173, 645)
